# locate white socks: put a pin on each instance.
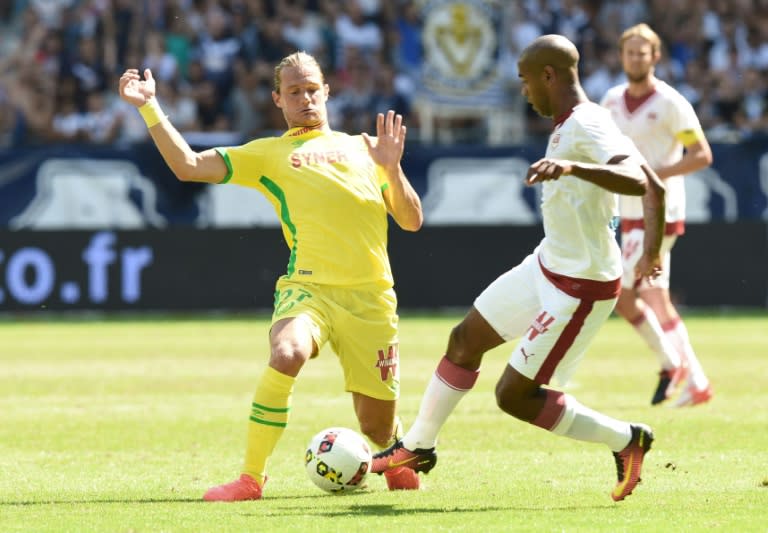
(647, 325)
(448, 385)
(677, 333)
(564, 415)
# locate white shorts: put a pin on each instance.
(632, 251)
(555, 317)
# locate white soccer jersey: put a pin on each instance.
(580, 217)
(657, 126)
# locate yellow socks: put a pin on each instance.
(269, 416)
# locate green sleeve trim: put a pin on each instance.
(384, 187)
(223, 153)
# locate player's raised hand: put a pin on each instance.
(547, 169)
(387, 148)
(649, 266)
(134, 90)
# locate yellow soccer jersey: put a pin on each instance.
(327, 193)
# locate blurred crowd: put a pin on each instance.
(60, 60)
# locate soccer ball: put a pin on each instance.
(337, 459)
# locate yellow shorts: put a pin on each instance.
(360, 324)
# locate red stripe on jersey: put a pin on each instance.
(670, 228)
(583, 289)
(564, 342)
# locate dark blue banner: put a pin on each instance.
(87, 187)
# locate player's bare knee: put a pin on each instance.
(507, 400)
(629, 308)
(515, 396)
(379, 434)
(459, 351)
(287, 357)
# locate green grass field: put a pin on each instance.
(121, 425)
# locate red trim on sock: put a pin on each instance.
(564, 342)
(454, 376)
(639, 320)
(552, 412)
(669, 325)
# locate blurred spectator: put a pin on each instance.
(272, 43)
(217, 50)
(246, 31)
(355, 31)
(727, 102)
(220, 55)
(180, 107)
(353, 104)
(370, 8)
(125, 17)
(693, 84)
(51, 11)
(89, 70)
(251, 99)
(179, 36)
(607, 73)
(101, 122)
(211, 115)
(302, 30)
(11, 124)
(163, 64)
(51, 54)
(386, 96)
(67, 122)
(753, 111)
(409, 49)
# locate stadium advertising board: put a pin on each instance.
(185, 269)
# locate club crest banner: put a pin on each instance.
(461, 51)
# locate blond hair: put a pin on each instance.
(296, 59)
(645, 32)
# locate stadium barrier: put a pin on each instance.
(185, 269)
(88, 227)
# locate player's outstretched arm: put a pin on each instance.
(386, 150)
(621, 174)
(186, 164)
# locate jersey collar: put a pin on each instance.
(301, 130)
(562, 118)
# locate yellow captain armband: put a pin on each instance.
(151, 112)
(689, 137)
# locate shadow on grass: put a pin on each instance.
(97, 500)
(330, 512)
(393, 509)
